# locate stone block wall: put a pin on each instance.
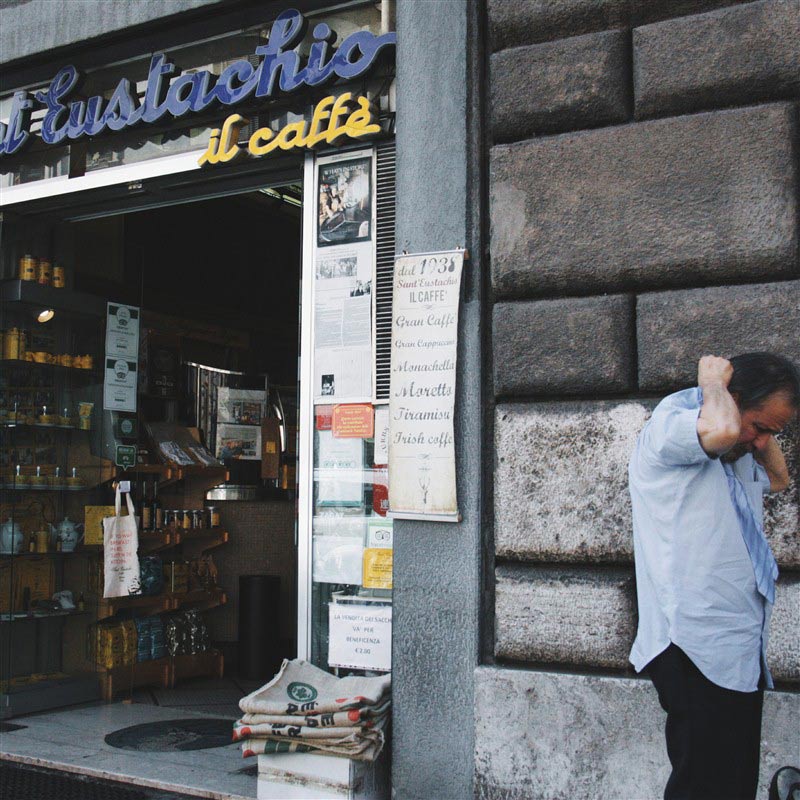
(644, 187)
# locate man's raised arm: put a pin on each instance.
(774, 462)
(719, 423)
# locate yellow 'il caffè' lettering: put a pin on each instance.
(333, 118)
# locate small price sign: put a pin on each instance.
(126, 456)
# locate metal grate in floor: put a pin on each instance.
(174, 734)
(22, 782)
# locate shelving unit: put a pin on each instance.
(26, 386)
(178, 487)
(46, 643)
(163, 672)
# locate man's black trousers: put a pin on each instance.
(713, 734)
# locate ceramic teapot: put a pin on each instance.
(11, 537)
(68, 533)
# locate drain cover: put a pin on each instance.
(174, 734)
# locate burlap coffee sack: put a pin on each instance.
(300, 688)
(339, 719)
(293, 731)
(255, 747)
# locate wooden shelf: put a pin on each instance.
(155, 541)
(163, 672)
(155, 672)
(210, 663)
(10, 487)
(153, 604)
(196, 471)
(158, 603)
(20, 617)
(171, 474)
(209, 537)
(199, 599)
(49, 554)
(208, 476)
(42, 427)
(162, 470)
(78, 304)
(59, 368)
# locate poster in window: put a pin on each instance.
(241, 406)
(345, 202)
(241, 442)
(340, 471)
(119, 390)
(343, 323)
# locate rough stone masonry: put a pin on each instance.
(644, 211)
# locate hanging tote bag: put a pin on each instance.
(120, 543)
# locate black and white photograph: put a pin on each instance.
(337, 267)
(328, 387)
(345, 202)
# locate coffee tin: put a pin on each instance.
(44, 272)
(27, 268)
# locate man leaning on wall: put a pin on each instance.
(705, 573)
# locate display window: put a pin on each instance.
(208, 345)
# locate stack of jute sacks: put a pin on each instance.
(304, 709)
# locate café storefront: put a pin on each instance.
(197, 247)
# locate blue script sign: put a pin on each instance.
(279, 70)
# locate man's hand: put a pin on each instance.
(772, 459)
(713, 370)
(719, 424)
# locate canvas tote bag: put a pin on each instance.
(120, 544)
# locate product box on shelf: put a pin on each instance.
(115, 644)
(93, 522)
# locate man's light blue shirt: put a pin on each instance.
(694, 578)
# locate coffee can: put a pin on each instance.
(58, 276)
(44, 272)
(27, 268)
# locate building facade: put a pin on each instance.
(625, 178)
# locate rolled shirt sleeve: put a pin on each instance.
(670, 437)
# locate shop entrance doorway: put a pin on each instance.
(215, 287)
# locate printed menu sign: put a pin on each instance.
(360, 636)
(122, 331)
(353, 421)
(422, 474)
(119, 390)
(122, 357)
